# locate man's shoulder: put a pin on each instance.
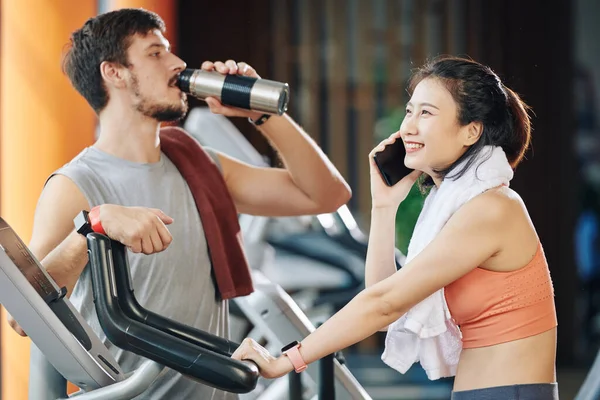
(88, 169)
(79, 160)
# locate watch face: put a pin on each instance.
(289, 346)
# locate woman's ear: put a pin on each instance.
(112, 74)
(473, 133)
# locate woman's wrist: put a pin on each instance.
(283, 365)
(384, 209)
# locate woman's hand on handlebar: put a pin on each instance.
(141, 229)
(269, 366)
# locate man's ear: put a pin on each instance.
(473, 133)
(113, 74)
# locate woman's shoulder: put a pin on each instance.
(513, 229)
(497, 205)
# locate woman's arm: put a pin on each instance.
(380, 263)
(470, 237)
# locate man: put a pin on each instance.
(121, 63)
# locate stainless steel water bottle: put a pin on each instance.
(254, 94)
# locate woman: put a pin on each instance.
(474, 260)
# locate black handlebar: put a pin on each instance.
(174, 345)
(132, 309)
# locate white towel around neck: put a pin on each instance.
(427, 332)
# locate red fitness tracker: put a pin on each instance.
(88, 222)
(95, 220)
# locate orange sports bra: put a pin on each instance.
(496, 307)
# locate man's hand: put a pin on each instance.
(232, 68)
(13, 324)
(141, 229)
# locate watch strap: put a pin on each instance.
(261, 120)
(296, 358)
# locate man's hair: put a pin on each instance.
(105, 37)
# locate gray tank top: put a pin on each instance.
(175, 283)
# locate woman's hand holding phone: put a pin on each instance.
(386, 162)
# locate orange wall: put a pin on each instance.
(43, 124)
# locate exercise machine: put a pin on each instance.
(65, 348)
(590, 389)
(277, 320)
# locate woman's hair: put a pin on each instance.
(480, 96)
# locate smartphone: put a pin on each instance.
(390, 162)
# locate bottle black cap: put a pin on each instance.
(183, 81)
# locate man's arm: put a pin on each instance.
(309, 184)
(60, 249)
(63, 252)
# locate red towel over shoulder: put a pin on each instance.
(216, 208)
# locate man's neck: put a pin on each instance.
(130, 136)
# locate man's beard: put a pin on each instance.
(159, 112)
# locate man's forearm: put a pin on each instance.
(308, 166)
(66, 262)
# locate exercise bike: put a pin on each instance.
(65, 348)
